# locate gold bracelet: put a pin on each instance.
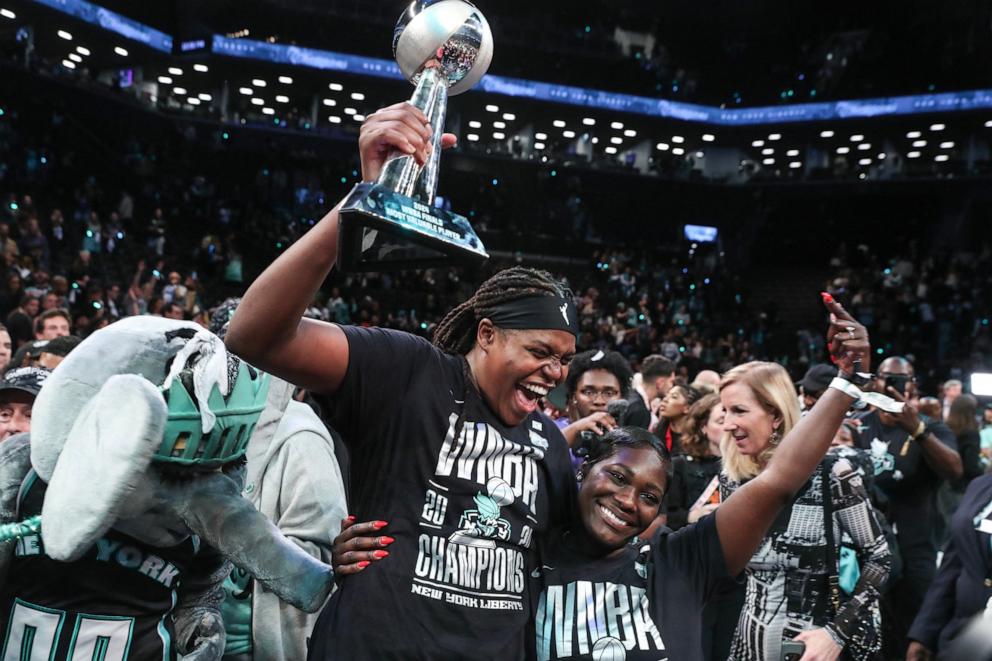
(921, 429)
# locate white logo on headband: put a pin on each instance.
(564, 312)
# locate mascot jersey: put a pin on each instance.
(110, 605)
(466, 498)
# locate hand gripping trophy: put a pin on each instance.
(444, 47)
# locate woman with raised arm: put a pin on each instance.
(446, 441)
(599, 598)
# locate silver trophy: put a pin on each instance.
(444, 47)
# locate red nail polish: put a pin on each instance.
(363, 564)
(833, 360)
(827, 297)
(379, 555)
(350, 519)
(386, 540)
(379, 524)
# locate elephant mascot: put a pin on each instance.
(123, 507)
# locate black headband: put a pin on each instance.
(537, 313)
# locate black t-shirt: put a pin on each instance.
(112, 603)
(642, 605)
(465, 510)
(905, 479)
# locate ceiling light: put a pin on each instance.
(940, 158)
(611, 150)
(201, 68)
(700, 154)
(843, 150)
(792, 152)
(937, 127)
(120, 51)
(247, 91)
(988, 124)
(616, 125)
(499, 135)
(864, 161)
(258, 82)
(538, 145)
(472, 137)
(193, 101)
(68, 64)
(864, 146)
(509, 116)
(615, 140)
(330, 103)
(350, 111)
(499, 125)
(663, 146)
(165, 80)
(64, 35)
(913, 134)
(857, 137)
(359, 117)
(589, 121)
(334, 119)
(358, 96)
(75, 58)
(175, 71)
(768, 161)
(285, 80)
(920, 143)
(913, 154)
(83, 50)
(826, 134)
(475, 125)
(758, 143)
(491, 108)
(568, 134)
(268, 111)
(767, 150)
(678, 151)
(336, 87)
(947, 145)
(881, 156)
(6, 13)
(630, 133)
(708, 137)
(559, 123)
(678, 139)
(205, 97)
(595, 141)
(540, 136)
(774, 136)
(258, 102)
(795, 164)
(179, 90)
(282, 98)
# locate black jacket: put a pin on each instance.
(690, 477)
(963, 585)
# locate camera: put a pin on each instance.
(898, 382)
(792, 650)
(589, 440)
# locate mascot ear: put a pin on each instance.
(102, 465)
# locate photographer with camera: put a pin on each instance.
(596, 391)
(911, 454)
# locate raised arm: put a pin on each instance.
(745, 517)
(269, 330)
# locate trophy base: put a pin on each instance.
(382, 230)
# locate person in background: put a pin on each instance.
(815, 383)
(55, 351)
(962, 588)
(18, 389)
(707, 379)
(911, 455)
(6, 349)
(595, 378)
(657, 377)
(986, 436)
(52, 324)
(951, 390)
(673, 415)
(962, 419)
(20, 322)
(930, 407)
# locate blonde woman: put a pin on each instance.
(789, 579)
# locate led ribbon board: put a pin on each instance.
(112, 22)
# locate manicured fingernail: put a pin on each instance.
(827, 298)
(386, 540)
(363, 564)
(379, 555)
(379, 524)
(350, 519)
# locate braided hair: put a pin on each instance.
(455, 333)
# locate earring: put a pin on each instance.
(776, 437)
